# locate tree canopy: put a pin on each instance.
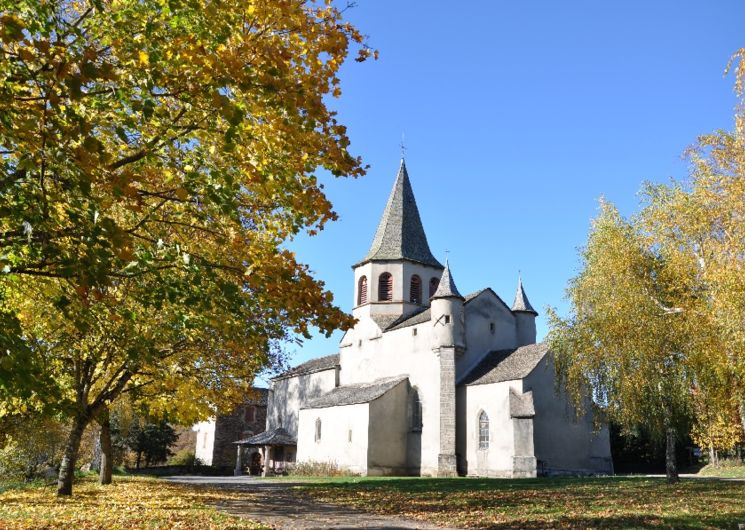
(156, 156)
(657, 310)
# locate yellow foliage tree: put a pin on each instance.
(156, 156)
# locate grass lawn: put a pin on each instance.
(723, 471)
(130, 502)
(619, 502)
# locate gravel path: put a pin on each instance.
(275, 503)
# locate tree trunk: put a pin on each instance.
(712, 455)
(67, 467)
(742, 412)
(671, 465)
(104, 475)
(139, 456)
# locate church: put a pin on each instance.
(429, 381)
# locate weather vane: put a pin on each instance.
(403, 146)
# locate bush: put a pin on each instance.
(186, 458)
(320, 469)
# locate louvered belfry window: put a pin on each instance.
(415, 296)
(433, 283)
(362, 291)
(385, 287)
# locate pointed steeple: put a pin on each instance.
(521, 302)
(400, 234)
(447, 288)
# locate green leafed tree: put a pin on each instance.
(155, 158)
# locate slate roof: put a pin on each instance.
(400, 234)
(423, 314)
(521, 405)
(310, 367)
(521, 302)
(355, 394)
(506, 365)
(446, 288)
(278, 436)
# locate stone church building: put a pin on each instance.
(429, 381)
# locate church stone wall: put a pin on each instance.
(289, 394)
(481, 312)
(344, 436)
(389, 425)
(245, 421)
(494, 399)
(564, 444)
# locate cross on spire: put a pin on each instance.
(403, 147)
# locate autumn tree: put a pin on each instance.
(624, 338)
(155, 158)
(657, 312)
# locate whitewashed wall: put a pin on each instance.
(288, 395)
(335, 445)
(205, 444)
(494, 399)
(563, 442)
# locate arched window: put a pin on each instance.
(415, 296)
(483, 430)
(362, 290)
(318, 429)
(433, 283)
(416, 411)
(385, 287)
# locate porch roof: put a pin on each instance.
(278, 436)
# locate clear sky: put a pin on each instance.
(517, 117)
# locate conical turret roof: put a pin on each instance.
(400, 234)
(521, 302)
(446, 287)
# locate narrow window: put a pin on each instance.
(413, 331)
(416, 411)
(385, 287)
(491, 327)
(204, 444)
(318, 430)
(415, 296)
(349, 436)
(250, 414)
(433, 283)
(447, 319)
(483, 430)
(362, 290)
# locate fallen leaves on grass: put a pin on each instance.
(128, 503)
(546, 503)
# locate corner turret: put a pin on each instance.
(524, 316)
(448, 317)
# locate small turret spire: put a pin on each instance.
(446, 287)
(521, 302)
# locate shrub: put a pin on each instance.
(320, 469)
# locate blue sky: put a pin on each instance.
(517, 117)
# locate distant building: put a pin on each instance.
(429, 382)
(215, 439)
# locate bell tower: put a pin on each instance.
(394, 277)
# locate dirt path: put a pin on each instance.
(276, 503)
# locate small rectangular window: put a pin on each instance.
(349, 436)
(447, 319)
(491, 327)
(413, 331)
